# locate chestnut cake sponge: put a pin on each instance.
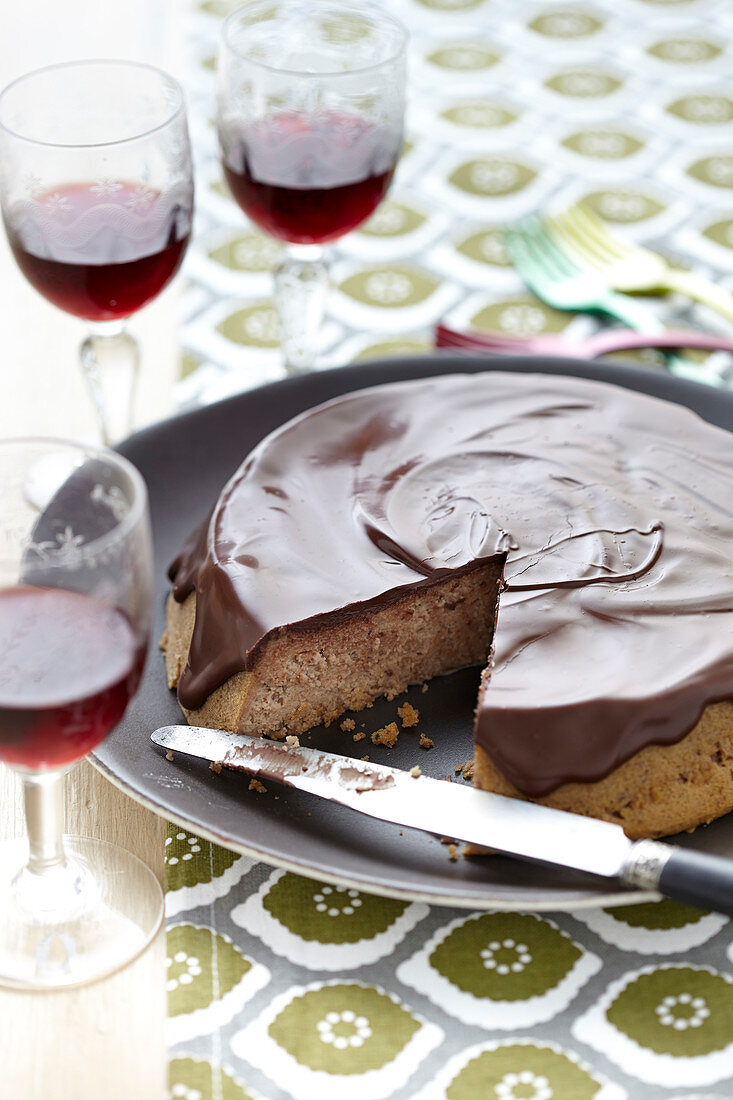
(305, 678)
(571, 537)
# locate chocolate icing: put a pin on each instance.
(615, 511)
(277, 761)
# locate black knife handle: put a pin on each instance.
(679, 873)
(697, 879)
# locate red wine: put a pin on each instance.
(69, 665)
(99, 250)
(309, 181)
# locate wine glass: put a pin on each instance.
(310, 116)
(75, 609)
(97, 198)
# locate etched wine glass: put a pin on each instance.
(75, 613)
(310, 120)
(96, 189)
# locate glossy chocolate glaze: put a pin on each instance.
(615, 628)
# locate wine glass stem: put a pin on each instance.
(43, 794)
(110, 359)
(301, 291)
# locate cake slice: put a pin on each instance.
(305, 677)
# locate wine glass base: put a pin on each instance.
(103, 910)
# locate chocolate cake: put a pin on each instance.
(574, 538)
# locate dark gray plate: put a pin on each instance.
(185, 462)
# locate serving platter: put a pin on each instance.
(185, 462)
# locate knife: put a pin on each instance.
(512, 826)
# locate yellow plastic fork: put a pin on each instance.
(630, 268)
(559, 280)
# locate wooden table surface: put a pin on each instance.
(105, 1040)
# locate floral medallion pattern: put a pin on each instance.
(324, 927)
(671, 1023)
(500, 971)
(330, 1038)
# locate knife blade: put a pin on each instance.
(514, 827)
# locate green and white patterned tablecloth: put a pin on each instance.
(282, 988)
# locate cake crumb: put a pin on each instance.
(255, 785)
(348, 724)
(359, 736)
(169, 754)
(365, 757)
(425, 742)
(409, 715)
(386, 736)
(453, 852)
(415, 772)
(424, 688)
(215, 766)
(467, 769)
(447, 840)
(293, 740)
(458, 768)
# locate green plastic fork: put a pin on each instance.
(557, 279)
(629, 267)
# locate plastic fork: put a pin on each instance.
(628, 267)
(558, 280)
